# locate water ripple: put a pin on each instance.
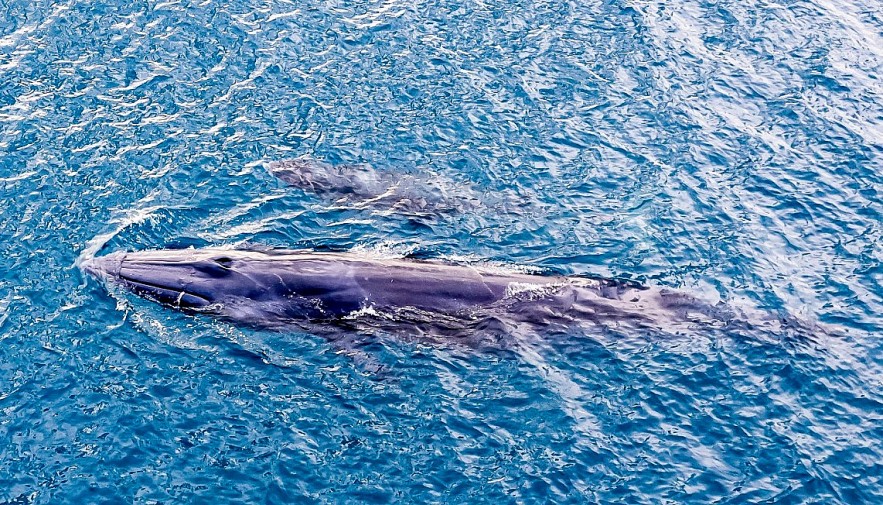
(728, 149)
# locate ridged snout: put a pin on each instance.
(104, 267)
(173, 278)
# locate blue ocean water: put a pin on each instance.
(725, 148)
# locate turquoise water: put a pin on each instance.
(728, 149)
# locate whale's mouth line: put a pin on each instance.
(146, 286)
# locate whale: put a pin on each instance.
(430, 299)
(362, 186)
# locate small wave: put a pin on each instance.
(133, 216)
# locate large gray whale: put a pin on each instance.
(279, 287)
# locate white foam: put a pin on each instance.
(368, 311)
(531, 291)
(136, 215)
(386, 250)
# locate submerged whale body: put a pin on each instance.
(360, 185)
(279, 287)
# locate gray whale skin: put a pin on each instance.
(279, 287)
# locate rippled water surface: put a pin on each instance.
(725, 148)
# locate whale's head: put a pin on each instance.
(323, 178)
(186, 279)
(245, 285)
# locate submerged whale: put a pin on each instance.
(275, 288)
(362, 186)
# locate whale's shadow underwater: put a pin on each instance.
(340, 293)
